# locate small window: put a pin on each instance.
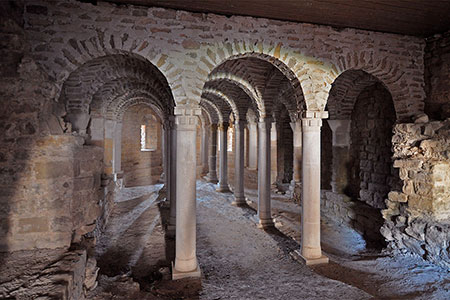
(143, 138)
(149, 138)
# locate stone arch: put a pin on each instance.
(226, 99)
(288, 62)
(213, 107)
(80, 87)
(398, 81)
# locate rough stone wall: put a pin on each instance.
(437, 77)
(49, 180)
(141, 167)
(187, 46)
(417, 216)
(371, 172)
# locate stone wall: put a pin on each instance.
(417, 216)
(186, 47)
(141, 167)
(371, 176)
(437, 76)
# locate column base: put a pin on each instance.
(211, 180)
(266, 224)
(239, 201)
(197, 273)
(309, 261)
(223, 189)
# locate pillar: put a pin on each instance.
(212, 174)
(311, 251)
(223, 167)
(274, 133)
(186, 264)
(204, 154)
(108, 150)
(172, 193)
(264, 209)
(341, 154)
(253, 146)
(239, 132)
(297, 139)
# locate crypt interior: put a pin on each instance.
(224, 149)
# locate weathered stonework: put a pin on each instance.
(417, 217)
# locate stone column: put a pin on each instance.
(172, 178)
(186, 264)
(223, 167)
(212, 175)
(204, 155)
(165, 154)
(311, 251)
(264, 210)
(274, 154)
(297, 139)
(239, 197)
(253, 146)
(341, 154)
(117, 152)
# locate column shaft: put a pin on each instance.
(212, 175)
(173, 180)
(264, 208)
(311, 250)
(239, 197)
(341, 154)
(185, 244)
(223, 167)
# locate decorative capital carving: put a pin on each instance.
(312, 120)
(186, 117)
(223, 126)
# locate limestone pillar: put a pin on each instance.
(264, 209)
(274, 133)
(212, 174)
(108, 150)
(172, 193)
(165, 154)
(311, 250)
(253, 146)
(185, 244)
(223, 167)
(297, 139)
(239, 197)
(204, 154)
(341, 154)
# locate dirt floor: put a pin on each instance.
(240, 261)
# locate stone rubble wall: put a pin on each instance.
(417, 218)
(362, 217)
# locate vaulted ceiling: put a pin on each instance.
(412, 17)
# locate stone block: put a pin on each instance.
(53, 169)
(35, 224)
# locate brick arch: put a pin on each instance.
(284, 95)
(80, 87)
(291, 64)
(213, 108)
(133, 101)
(402, 85)
(115, 109)
(212, 119)
(345, 91)
(104, 101)
(229, 101)
(246, 86)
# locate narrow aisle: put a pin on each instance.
(240, 261)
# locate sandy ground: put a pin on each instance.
(240, 261)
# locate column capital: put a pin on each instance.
(241, 123)
(312, 120)
(186, 117)
(223, 126)
(213, 126)
(341, 132)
